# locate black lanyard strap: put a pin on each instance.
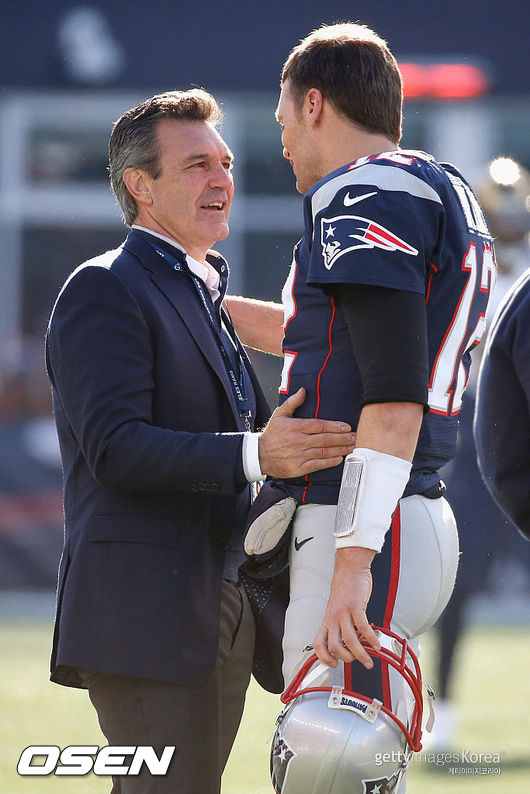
(237, 382)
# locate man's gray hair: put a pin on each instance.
(133, 141)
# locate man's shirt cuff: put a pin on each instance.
(251, 457)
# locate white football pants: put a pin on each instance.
(413, 578)
(418, 563)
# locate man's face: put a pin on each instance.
(295, 141)
(192, 196)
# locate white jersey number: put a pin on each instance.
(449, 376)
(288, 299)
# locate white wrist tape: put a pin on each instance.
(372, 484)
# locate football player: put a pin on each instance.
(385, 298)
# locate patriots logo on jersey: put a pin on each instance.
(382, 785)
(338, 233)
(281, 755)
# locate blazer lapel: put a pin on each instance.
(179, 289)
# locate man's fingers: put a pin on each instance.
(324, 458)
(286, 450)
(344, 646)
(351, 643)
(320, 644)
(371, 637)
(317, 464)
(314, 427)
(339, 639)
(332, 445)
(289, 406)
(309, 426)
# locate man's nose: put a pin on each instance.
(286, 154)
(221, 177)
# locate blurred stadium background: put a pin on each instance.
(69, 70)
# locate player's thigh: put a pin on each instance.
(428, 564)
(311, 561)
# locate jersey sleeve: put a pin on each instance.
(381, 234)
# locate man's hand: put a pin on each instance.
(345, 619)
(291, 447)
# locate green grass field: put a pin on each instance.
(492, 692)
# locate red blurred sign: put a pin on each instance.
(443, 80)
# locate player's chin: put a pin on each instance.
(302, 185)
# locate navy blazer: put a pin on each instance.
(150, 438)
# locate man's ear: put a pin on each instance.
(313, 105)
(137, 183)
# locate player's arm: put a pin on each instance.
(259, 324)
(388, 329)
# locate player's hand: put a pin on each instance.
(345, 619)
(290, 447)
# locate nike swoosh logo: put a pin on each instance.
(348, 202)
(298, 544)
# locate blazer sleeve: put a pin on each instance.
(502, 413)
(100, 365)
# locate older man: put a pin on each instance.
(157, 406)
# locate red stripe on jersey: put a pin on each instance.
(307, 486)
(395, 560)
(324, 365)
(429, 283)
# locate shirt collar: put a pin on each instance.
(206, 272)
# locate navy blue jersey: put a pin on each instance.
(403, 221)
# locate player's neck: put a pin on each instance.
(347, 143)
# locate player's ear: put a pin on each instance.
(137, 183)
(313, 105)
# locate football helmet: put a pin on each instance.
(330, 739)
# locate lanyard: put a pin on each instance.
(236, 381)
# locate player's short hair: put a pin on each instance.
(355, 70)
(134, 143)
